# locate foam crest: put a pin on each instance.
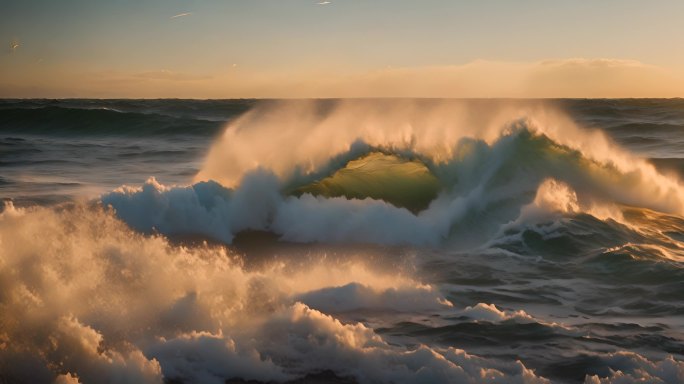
(205, 209)
(630, 367)
(518, 178)
(296, 138)
(355, 296)
(489, 312)
(85, 299)
(304, 135)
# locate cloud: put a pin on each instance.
(574, 77)
(601, 78)
(168, 75)
(181, 15)
(552, 78)
(558, 78)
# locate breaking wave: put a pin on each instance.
(84, 298)
(420, 182)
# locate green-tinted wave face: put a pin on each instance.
(401, 182)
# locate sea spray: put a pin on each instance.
(549, 252)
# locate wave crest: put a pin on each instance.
(361, 193)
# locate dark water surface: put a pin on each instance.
(552, 250)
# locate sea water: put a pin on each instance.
(359, 241)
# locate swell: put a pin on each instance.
(675, 165)
(648, 127)
(214, 110)
(58, 121)
(627, 110)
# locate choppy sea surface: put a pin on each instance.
(344, 241)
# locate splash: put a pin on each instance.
(306, 139)
(346, 171)
(87, 300)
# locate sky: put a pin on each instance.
(341, 48)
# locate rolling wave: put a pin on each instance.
(51, 120)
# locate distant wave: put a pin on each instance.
(84, 122)
(645, 128)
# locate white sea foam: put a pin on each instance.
(489, 312)
(357, 296)
(632, 368)
(84, 299)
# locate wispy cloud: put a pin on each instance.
(181, 15)
(571, 77)
(169, 76)
(324, 2)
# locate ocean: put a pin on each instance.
(342, 241)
